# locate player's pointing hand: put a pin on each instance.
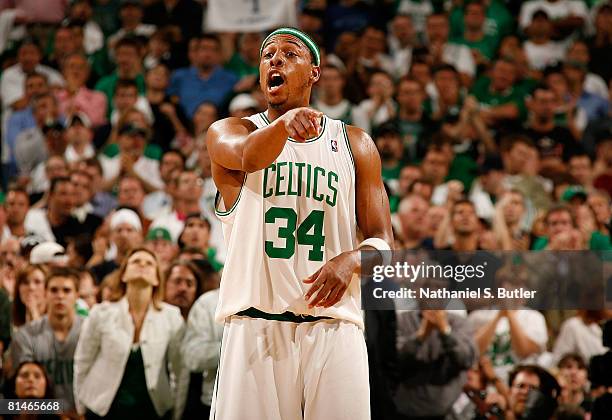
(302, 124)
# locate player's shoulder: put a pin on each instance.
(229, 125)
(362, 145)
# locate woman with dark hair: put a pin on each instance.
(29, 303)
(129, 346)
(30, 381)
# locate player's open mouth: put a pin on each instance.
(275, 81)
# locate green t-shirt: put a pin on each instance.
(241, 68)
(107, 85)
(481, 90)
(391, 173)
(464, 169)
(487, 46)
(598, 242)
(498, 22)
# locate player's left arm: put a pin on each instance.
(373, 219)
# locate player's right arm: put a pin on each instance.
(237, 144)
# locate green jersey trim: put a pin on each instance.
(348, 144)
(218, 197)
(267, 121)
(285, 316)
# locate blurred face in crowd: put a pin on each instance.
(125, 237)
(45, 108)
(181, 288)
(585, 219)
(601, 206)
(62, 199)
(130, 15)
(515, 207)
(346, 46)
(82, 188)
(132, 144)
(61, 296)
(141, 266)
(574, 377)
(603, 20)
(515, 158)
(207, 54)
(249, 46)
(158, 77)
(76, 70)
(410, 95)
(390, 147)
(579, 51)
(56, 167)
(559, 222)
(170, 163)
(408, 174)
(543, 105)
(30, 381)
(433, 218)
(56, 141)
(420, 72)
(331, 83)
(17, 206)
(88, 291)
(464, 219)
(189, 186)
(32, 290)
(412, 213)
(158, 45)
(125, 97)
(437, 28)
(424, 189)
(403, 29)
(205, 115)
(372, 42)
(447, 84)
(474, 17)
(81, 11)
(519, 390)
(164, 250)
(35, 85)
(131, 193)
(10, 254)
(580, 167)
(503, 75)
(435, 166)
(540, 27)
(65, 42)
(28, 57)
(558, 83)
(78, 133)
(381, 85)
(128, 61)
(196, 233)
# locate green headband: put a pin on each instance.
(310, 44)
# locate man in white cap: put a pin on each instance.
(125, 234)
(243, 105)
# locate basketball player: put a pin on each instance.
(294, 187)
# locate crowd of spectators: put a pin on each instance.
(493, 120)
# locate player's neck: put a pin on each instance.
(275, 112)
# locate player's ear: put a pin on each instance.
(315, 74)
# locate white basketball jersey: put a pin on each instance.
(289, 219)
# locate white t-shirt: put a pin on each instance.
(540, 56)
(460, 57)
(577, 337)
(500, 350)
(37, 223)
(146, 168)
(556, 10)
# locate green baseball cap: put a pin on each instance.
(310, 44)
(574, 191)
(159, 233)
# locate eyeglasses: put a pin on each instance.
(523, 386)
